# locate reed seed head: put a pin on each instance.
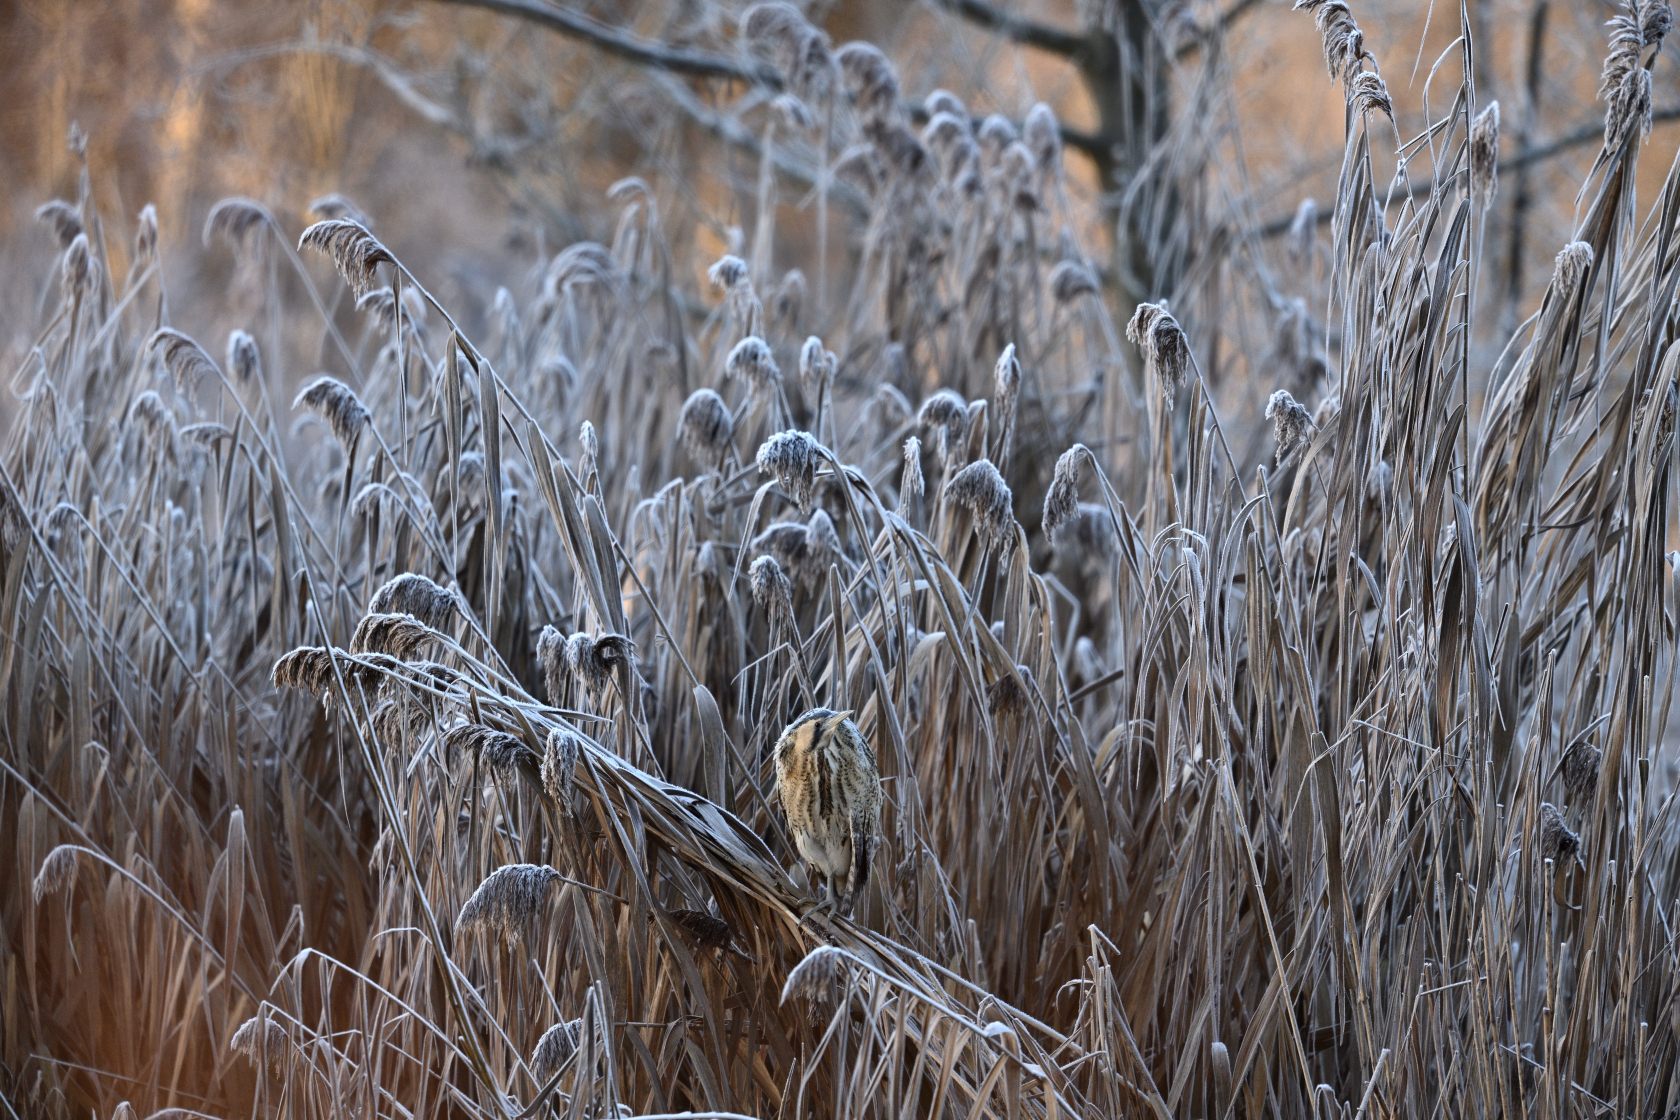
(240, 220)
(1292, 423)
(556, 1047)
(813, 978)
(1344, 43)
(337, 404)
(945, 413)
(413, 594)
(994, 135)
(593, 660)
(57, 873)
(770, 587)
(1070, 280)
(264, 1043)
(1579, 766)
(399, 635)
(913, 482)
(789, 301)
(559, 765)
(1043, 137)
(1656, 18)
(944, 101)
(499, 750)
(791, 457)
(752, 359)
(1484, 153)
(870, 80)
(1165, 351)
(591, 446)
(146, 234)
(1061, 501)
(185, 359)
(551, 655)
(817, 366)
(243, 358)
(727, 272)
(703, 930)
(1006, 696)
(64, 218)
(705, 427)
(888, 408)
(980, 489)
(509, 901)
(80, 269)
(1557, 841)
(355, 252)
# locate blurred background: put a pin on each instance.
(476, 140)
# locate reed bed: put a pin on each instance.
(401, 749)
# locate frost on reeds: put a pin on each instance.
(1166, 353)
(817, 366)
(590, 444)
(336, 206)
(413, 594)
(1043, 137)
(1557, 842)
(779, 34)
(509, 901)
(731, 274)
(337, 404)
(1061, 501)
(355, 252)
(979, 489)
(57, 873)
(1292, 423)
(556, 1047)
(146, 234)
(559, 764)
(1303, 230)
(185, 359)
(791, 458)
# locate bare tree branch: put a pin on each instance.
(630, 47)
(1010, 26)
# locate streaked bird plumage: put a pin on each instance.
(830, 789)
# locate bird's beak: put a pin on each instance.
(838, 716)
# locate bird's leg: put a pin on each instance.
(824, 894)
